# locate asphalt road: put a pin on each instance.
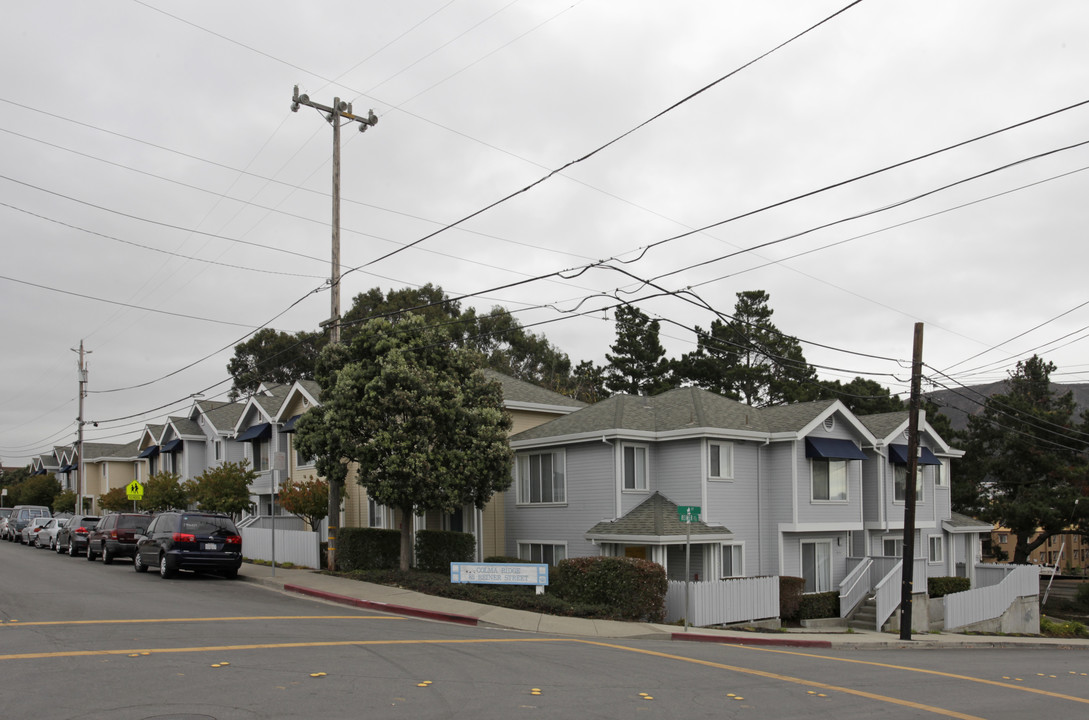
(79, 640)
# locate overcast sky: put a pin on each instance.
(160, 201)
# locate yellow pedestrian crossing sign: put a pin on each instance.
(134, 490)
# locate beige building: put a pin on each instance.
(1070, 550)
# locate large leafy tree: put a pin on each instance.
(309, 499)
(39, 490)
(116, 500)
(223, 488)
(638, 364)
(863, 397)
(749, 359)
(164, 491)
(1025, 465)
(426, 430)
(273, 356)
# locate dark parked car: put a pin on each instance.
(20, 517)
(190, 541)
(115, 536)
(73, 536)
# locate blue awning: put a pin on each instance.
(832, 449)
(67, 468)
(898, 455)
(171, 446)
(289, 426)
(149, 451)
(257, 432)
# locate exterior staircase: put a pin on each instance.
(864, 617)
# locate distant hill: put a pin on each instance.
(957, 405)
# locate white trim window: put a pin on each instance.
(892, 546)
(218, 444)
(899, 483)
(720, 460)
(936, 549)
(939, 475)
(549, 553)
(733, 560)
(541, 478)
(829, 482)
(817, 565)
(634, 467)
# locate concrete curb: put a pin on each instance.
(384, 607)
(754, 640)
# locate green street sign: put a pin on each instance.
(134, 491)
(689, 513)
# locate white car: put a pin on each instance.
(47, 536)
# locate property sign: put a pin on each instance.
(134, 490)
(494, 574)
(689, 513)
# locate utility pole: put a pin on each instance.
(333, 115)
(79, 449)
(908, 567)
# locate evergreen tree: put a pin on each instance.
(748, 359)
(637, 364)
(1025, 463)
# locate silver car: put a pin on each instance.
(47, 536)
(29, 534)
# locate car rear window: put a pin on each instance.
(204, 525)
(133, 521)
(89, 523)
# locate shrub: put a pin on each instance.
(790, 597)
(1081, 595)
(436, 549)
(937, 587)
(635, 589)
(1066, 629)
(503, 560)
(819, 605)
(368, 548)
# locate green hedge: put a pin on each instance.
(436, 549)
(790, 596)
(819, 605)
(368, 549)
(937, 587)
(635, 589)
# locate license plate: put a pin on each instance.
(209, 546)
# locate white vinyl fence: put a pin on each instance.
(987, 603)
(718, 602)
(299, 547)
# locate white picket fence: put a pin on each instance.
(298, 547)
(717, 602)
(987, 603)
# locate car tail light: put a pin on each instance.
(232, 540)
(80, 531)
(184, 537)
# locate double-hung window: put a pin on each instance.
(900, 483)
(892, 546)
(829, 479)
(635, 467)
(547, 553)
(541, 478)
(732, 561)
(936, 549)
(720, 461)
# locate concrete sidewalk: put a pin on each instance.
(399, 601)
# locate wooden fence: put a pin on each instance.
(718, 602)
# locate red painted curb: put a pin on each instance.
(734, 640)
(384, 607)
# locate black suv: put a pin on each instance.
(198, 541)
(73, 536)
(115, 536)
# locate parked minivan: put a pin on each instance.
(20, 517)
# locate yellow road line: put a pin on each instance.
(798, 681)
(16, 623)
(925, 671)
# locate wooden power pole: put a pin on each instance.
(908, 569)
(333, 116)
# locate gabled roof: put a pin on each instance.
(887, 428)
(266, 402)
(153, 433)
(522, 395)
(222, 416)
(688, 412)
(655, 517)
(186, 428)
(101, 452)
